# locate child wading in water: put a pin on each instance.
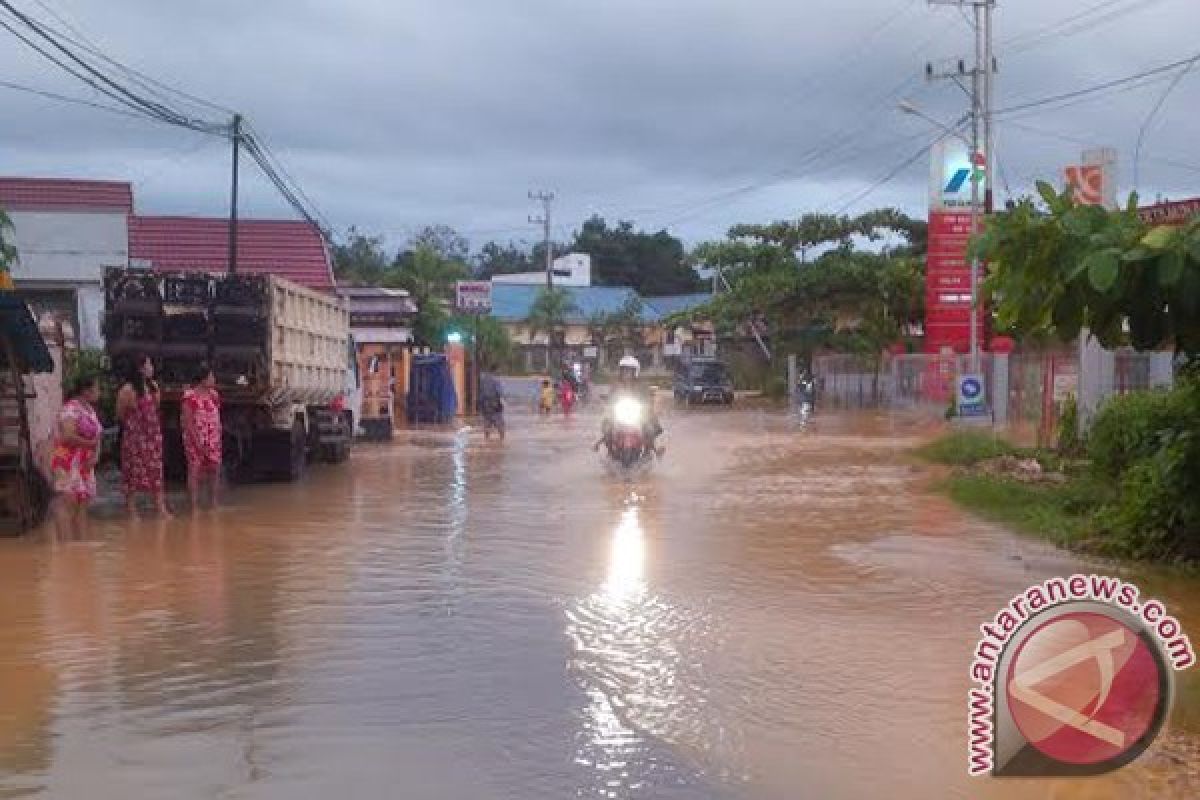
(201, 419)
(546, 397)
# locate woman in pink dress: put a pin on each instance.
(201, 418)
(141, 438)
(74, 449)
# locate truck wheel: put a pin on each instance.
(299, 451)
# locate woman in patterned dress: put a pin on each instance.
(141, 438)
(74, 450)
(201, 418)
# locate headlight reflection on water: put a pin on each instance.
(626, 578)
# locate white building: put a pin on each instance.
(573, 269)
(66, 233)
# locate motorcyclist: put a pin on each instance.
(627, 372)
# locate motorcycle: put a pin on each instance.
(628, 446)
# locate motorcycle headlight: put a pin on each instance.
(627, 411)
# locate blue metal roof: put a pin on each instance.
(673, 304)
(512, 302)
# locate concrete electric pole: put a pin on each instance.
(981, 144)
(545, 198)
(236, 136)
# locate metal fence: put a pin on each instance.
(1034, 385)
(911, 381)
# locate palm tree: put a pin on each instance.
(548, 315)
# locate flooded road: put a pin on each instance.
(775, 612)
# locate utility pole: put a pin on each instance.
(233, 199)
(980, 145)
(545, 198)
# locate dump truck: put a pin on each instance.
(282, 355)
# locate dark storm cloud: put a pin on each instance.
(690, 113)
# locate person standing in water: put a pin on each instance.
(141, 437)
(200, 414)
(75, 447)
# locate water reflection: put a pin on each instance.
(629, 645)
(626, 580)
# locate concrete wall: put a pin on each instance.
(68, 246)
(69, 250)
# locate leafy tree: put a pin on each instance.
(813, 230)
(650, 263)
(548, 315)
(847, 298)
(495, 344)
(601, 328)
(1060, 267)
(500, 259)
(443, 241)
(360, 260)
(429, 279)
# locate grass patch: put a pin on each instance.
(1060, 514)
(965, 448)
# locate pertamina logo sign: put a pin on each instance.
(953, 173)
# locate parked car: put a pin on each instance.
(702, 381)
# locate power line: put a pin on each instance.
(287, 176)
(1100, 87)
(1076, 23)
(1078, 140)
(784, 176)
(148, 83)
(892, 173)
(138, 105)
(1137, 150)
(96, 79)
(67, 99)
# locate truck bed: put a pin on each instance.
(269, 340)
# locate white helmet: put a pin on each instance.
(629, 362)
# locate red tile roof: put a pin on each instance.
(64, 194)
(292, 249)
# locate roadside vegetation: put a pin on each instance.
(1130, 489)
(1128, 485)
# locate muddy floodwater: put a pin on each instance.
(776, 611)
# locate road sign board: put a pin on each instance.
(972, 398)
(473, 297)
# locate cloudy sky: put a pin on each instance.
(686, 114)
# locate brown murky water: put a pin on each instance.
(773, 613)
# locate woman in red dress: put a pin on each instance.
(201, 417)
(141, 438)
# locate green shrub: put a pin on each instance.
(964, 448)
(1156, 511)
(1130, 427)
(1069, 442)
